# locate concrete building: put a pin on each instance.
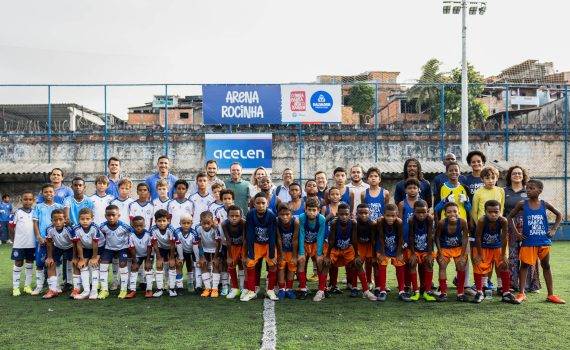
(185, 110)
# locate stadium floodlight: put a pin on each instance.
(482, 8)
(456, 9)
(473, 8)
(446, 7)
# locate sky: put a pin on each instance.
(254, 41)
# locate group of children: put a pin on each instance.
(149, 241)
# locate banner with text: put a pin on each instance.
(242, 104)
(311, 104)
(250, 150)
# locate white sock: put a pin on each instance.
(171, 279)
(124, 272)
(141, 274)
(85, 280)
(159, 280)
(104, 276)
(179, 283)
(116, 270)
(40, 278)
(28, 273)
(133, 281)
(199, 277)
(148, 277)
(241, 277)
(225, 279)
(190, 281)
(467, 284)
(52, 283)
(59, 275)
(94, 278)
(207, 280)
(215, 280)
(76, 281)
(68, 272)
(16, 276)
(484, 279)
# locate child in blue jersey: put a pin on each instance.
(406, 211)
(375, 197)
(346, 196)
(536, 238)
(287, 248)
(329, 211)
(42, 220)
(420, 245)
(188, 240)
(117, 235)
(5, 213)
(164, 244)
(88, 243)
(233, 230)
(365, 234)
(75, 203)
(451, 238)
(23, 250)
(59, 239)
(297, 204)
(491, 251)
(140, 253)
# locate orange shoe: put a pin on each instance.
(555, 299)
(206, 293)
(131, 294)
(75, 292)
(214, 293)
(148, 294)
(520, 297)
(50, 294)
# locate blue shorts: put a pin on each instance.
(189, 256)
(87, 253)
(41, 255)
(27, 254)
(107, 255)
(165, 253)
(58, 253)
(141, 260)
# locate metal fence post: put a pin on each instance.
(376, 123)
(507, 95)
(166, 119)
(442, 122)
(49, 123)
(565, 152)
(106, 133)
(300, 145)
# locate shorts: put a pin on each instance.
(58, 254)
(141, 260)
(393, 260)
(27, 254)
(529, 255)
(236, 253)
(223, 252)
(406, 254)
(490, 257)
(287, 262)
(87, 253)
(41, 255)
(165, 253)
(365, 250)
(188, 256)
(311, 249)
(209, 256)
(451, 253)
(421, 256)
(260, 251)
(107, 255)
(342, 257)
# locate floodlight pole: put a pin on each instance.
(464, 83)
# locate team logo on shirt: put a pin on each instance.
(536, 225)
(375, 210)
(491, 238)
(420, 242)
(261, 234)
(452, 241)
(391, 243)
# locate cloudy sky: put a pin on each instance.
(219, 41)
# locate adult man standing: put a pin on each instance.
(356, 185)
(413, 170)
(61, 191)
(114, 175)
(282, 191)
(240, 187)
(212, 173)
(163, 167)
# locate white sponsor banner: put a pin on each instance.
(311, 103)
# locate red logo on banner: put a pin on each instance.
(298, 101)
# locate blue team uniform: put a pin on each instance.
(375, 204)
(42, 214)
(75, 207)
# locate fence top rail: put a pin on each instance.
(372, 82)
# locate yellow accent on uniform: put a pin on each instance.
(446, 191)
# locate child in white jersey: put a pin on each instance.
(209, 247)
(22, 234)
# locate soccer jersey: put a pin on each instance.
(312, 232)
(473, 183)
(201, 204)
(123, 205)
(375, 204)
(158, 204)
(59, 196)
(235, 236)
(177, 208)
(62, 239)
(408, 212)
(87, 236)
(364, 231)
(390, 241)
(300, 210)
(260, 230)
(343, 238)
(42, 214)
(491, 238)
(5, 211)
(75, 207)
(535, 226)
(357, 191)
(420, 235)
(140, 243)
(286, 235)
(447, 240)
(187, 239)
(482, 195)
(208, 239)
(219, 211)
(345, 197)
(23, 229)
(117, 237)
(146, 210)
(154, 178)
(448, 189)
(100, 203)
(163, 238)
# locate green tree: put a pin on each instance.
(426, 91)
(361, 98)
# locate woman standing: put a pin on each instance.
(514, 192)
(257, 174)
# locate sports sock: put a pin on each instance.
(207, 280)
(428, 276)
(52, 283)
(76, 281)
(233, 277)
(334, 276)
(479, 282)
(116, 270)
(401, 277)
(382, 277)
(179, 278)
(124, 276)
(216, 280)
(198, 275)
(289, 284)
(133, 281)
(271, 279)
(322, 281)
(302, 276)
(85, 279)
(443, 285)
(171, 278)
(16, 276)
(28, 274)
(94, 277)
(59, 275)
(466, 276)
(368, 267)
(460, 286)
(414, 280)
(40, 278)
(241, 277)
(159, 280)
(224, 277)
(506, 280)
(281, 285)
(484, 280)
(250, 284)
(363, 282)
(104, 276)
(68, 272)
(148, 277)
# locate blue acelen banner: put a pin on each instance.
(250, 150)
(242, 104)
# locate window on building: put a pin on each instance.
(184, 115)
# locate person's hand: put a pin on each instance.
(294, 260)
(326, 261)
(379, 257)
(171, 262)
(179, 262)
(41, 240)
(274, 261)
(49, 262)
(551, 232)
(94, 262)
(462, 198)
(504, 264)
(451, 198)
(230, 262)
(440, 258)
(358, 261)
(428, 259)
(147, 264)
(81, 263)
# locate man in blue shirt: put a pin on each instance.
(163, 166)
(61, 191)
(413, 170)
(114, 176)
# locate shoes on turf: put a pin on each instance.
(16, 292)
(131, 294)
(290, 294)
(354, 293)
(335, 290)
(214, 293)
(158, 293)
(415, 296)
(234, 292)
(28, 290)
(198, 290)
(382, 296)
(302, 294)
(114, 285)
(462, 298)
(388, 290)
(103, 294)
(93, 294)
(478, 298)
(83, 295)
(508, 297)
(172, 293)
(442, 297)
(122, 294)
(313, 278)
(428, 296)
(281, 294)
(319, 296)
(521, 297)
(369, 295)
(376, 292)
(555, 299)
(50, 294)
(271, 295)
(403, 296)
(206, 293)
(249, 295)
(470, 291)
(148, 294)
(75, 292)
(225, 291)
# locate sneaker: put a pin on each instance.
(382, 296)
(234, 292)
(319, 296)
(9, 241)
(313, 278)
(142, 286)
(37, 291)
(131, 294)
(103, 294)
(122, 294)
(335, 290)
(428, 297)
(302, 294)
(28, 290)
(214, 293)
(490, 285)
(271, 295)
(376, 292)
(521, 297)
(462, 298)
(16, 292)
(158, 293)
(442, 297)
(179, 291)
(83, 295)
(256, 290)
(50, 294)
(225, 291)
(243, 294)
(555, 299)
(281, 294)
(403, 296)
(354, 293)
(75, 292)
(93, 295)
(198, 290)
(388, 290)
(415, 296)
(114, 285)
(509, 298)
(206, 293)
(249, 295)
(369, 295)
(290, 294)
(470, 291)
(479, 297)
(148, 294)
(172, 293)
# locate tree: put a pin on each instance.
(426, 91)
(361, 98)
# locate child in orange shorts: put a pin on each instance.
(234, 232)
(287, 246)
(421, 251)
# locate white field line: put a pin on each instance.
(269, 338)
